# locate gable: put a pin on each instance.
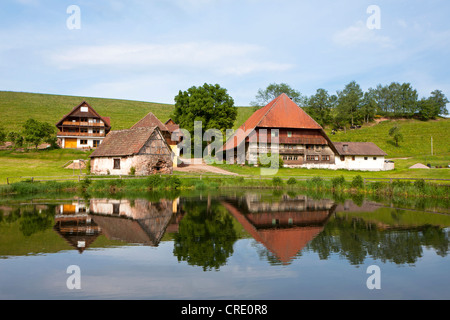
(85, 110)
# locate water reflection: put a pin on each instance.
(204, 230)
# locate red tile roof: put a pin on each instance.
(281, 112)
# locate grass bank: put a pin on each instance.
(338, 186)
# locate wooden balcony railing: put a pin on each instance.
(83, 124)
(81, 134)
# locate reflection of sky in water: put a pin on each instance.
(141, 272)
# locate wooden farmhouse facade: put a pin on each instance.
(143, 150)
(283, 127)
(82, 128)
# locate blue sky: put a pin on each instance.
(149, 50)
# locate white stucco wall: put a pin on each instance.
(360, 163)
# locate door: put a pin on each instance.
(70, 143)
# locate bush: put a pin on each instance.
(316, 180)
(173, 182)
(132, 171)
(277, 181)
(154, 181)
(338, 181)
(291, 181)
(358, 182)
(419, 184)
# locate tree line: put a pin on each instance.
(352, 106)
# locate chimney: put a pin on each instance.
(345, 147)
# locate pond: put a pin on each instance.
(252, 245)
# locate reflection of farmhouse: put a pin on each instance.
(82, 127)
(299, 140)
(144, 148)
(283, 227)
(75, 225)
(133, 221)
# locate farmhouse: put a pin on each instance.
(282, 126)
(169, 130)
(143, 150)
(82, 127)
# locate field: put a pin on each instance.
(415, 147)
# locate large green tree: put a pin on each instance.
(273, 90)
(210, 104)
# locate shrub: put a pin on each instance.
(277, 181)
(291, 181)
(419, 184)
(316, 180)
(358, 182)
(154, 181)
(132, 171)
(338, 181)
(173, 182)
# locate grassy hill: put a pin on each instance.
(17, 107)
(416, 137)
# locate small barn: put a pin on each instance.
(142, 150)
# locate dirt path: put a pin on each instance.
(199, 166)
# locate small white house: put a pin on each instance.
(365, 156)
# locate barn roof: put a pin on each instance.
(150, 120)
(358, 149)
(123, 142)
(281, 112)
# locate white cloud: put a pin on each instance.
(361, 34)
(224, 58)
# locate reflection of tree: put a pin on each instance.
(33, 221)
(356, 239)
(206, 235)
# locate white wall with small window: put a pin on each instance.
(365, 162)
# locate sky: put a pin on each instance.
(150, 50)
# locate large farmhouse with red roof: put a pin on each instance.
(283, 127)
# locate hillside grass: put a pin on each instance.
(17, 107)
(416, 137)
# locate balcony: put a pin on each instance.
(80, 134)
(83, 124)
(291, 151)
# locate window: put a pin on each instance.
(374, 158)
(342, 158)
(274, 133)
(316, 158)
(84, 109)
(116, 164)
(84, 130)
(366, 158)
(325, 158)
(116, 208)
(96, 143)
(353, 158)
(289, 134)
(83, 141)
(95, 130)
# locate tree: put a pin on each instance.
(349, 103)
(440, 101)
(395, 133)
(369, 105)
(36, 132)
(272, 91)
(209, 104)
(319, 107)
